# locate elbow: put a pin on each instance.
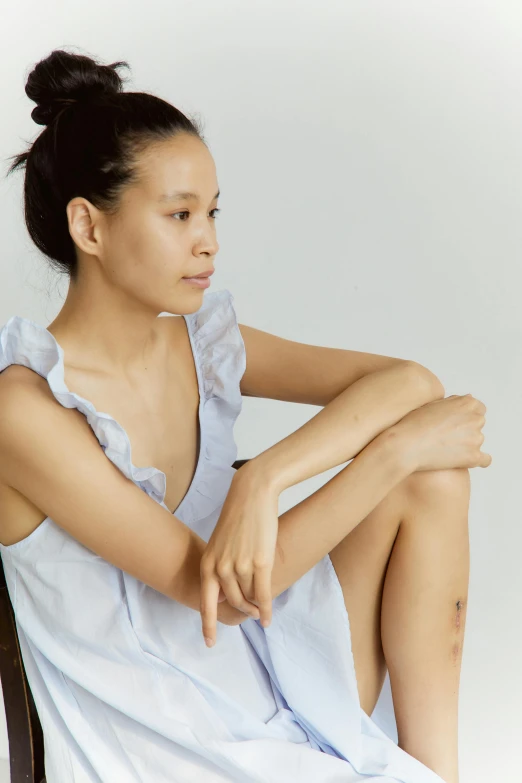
(429, 381)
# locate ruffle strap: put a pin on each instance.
(220, 353)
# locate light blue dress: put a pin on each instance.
(126, 689)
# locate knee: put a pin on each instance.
(430, 484)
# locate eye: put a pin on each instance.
(186, 212)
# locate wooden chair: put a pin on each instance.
(24, 731)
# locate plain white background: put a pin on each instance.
(370, 162)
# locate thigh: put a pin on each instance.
(360, 561)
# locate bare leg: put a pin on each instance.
(404, 572)
(423, 618)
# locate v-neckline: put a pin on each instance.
(201, 433)
(199, 423)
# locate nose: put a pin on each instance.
(205, 239)
(209, 244)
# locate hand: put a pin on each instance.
(239, 557)
(443, 434)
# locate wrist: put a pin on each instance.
(261, 472)
(396, 447)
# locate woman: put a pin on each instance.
(114, 588)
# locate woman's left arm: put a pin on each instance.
(346, 425)
(239, 557)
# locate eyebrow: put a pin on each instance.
(182, 195)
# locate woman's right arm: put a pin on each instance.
(50, 455)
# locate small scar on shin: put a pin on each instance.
(456, 649)
(459, 606)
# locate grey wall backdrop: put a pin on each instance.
(370, 163)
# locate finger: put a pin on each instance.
(235, 595)
(246, 583)
(208, 603)
(263, 592)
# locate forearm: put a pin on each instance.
(347, 424)
(307, 534)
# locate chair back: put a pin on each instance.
(24, 732)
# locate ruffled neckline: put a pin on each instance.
(25, 342)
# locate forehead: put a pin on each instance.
(182, 165)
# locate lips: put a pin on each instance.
(201, 274)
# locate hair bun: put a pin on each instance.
(62, 79)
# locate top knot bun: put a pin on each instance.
(62, 79)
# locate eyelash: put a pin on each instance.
(186, 212)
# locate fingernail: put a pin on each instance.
(209, 642)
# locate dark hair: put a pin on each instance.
(94, 135)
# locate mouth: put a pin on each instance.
(207, 273)
(200, 281)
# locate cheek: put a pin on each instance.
(146, 276)
(144, 236)
(147, 262)
(153, 281)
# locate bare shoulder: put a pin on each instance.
(35, 428)
(17, 374)
(25, 397)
